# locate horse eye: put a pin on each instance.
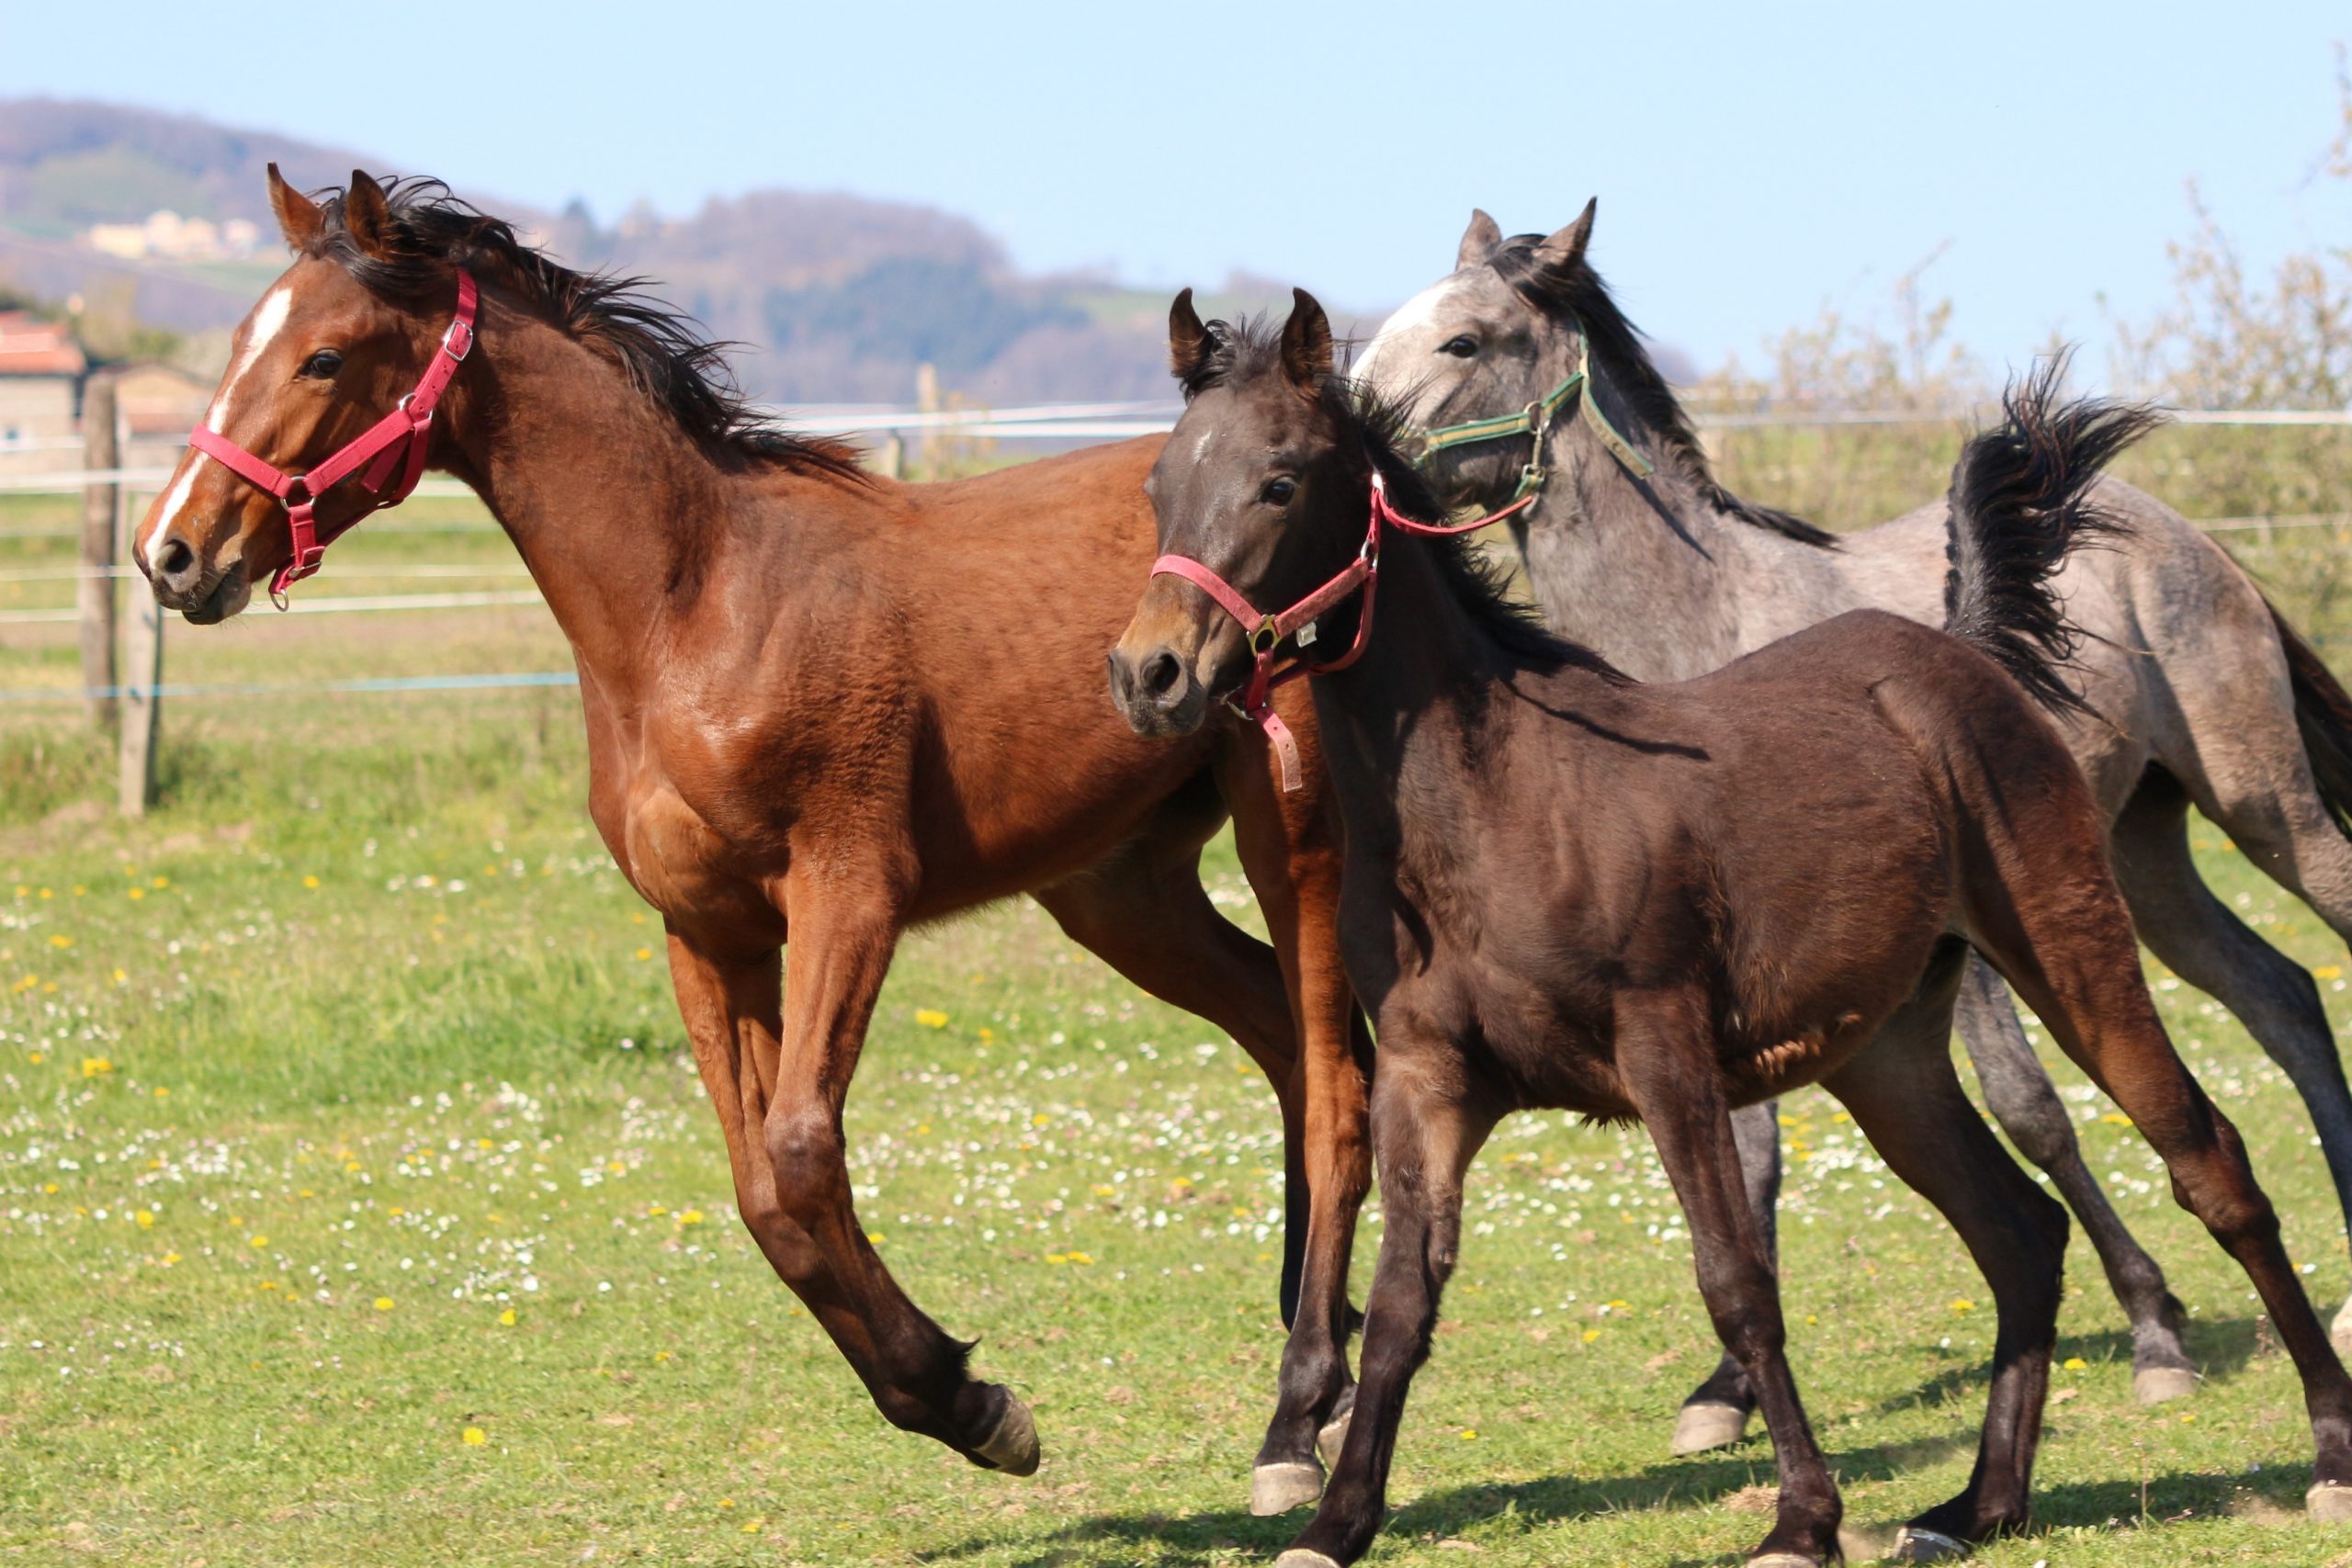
(322, 365)
(1278, 491)
(1462, 347)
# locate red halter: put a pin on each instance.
(397, 441)
(1255, 700)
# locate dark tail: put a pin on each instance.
(2020, 504)
(2323, 715)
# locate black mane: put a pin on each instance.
(1238, 353)
(660, 350)
(1574, 295)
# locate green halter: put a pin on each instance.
(1535, 420)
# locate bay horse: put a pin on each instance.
(818, 703)
(2195, 689)
(1564, 889)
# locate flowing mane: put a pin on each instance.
(1240, 352)
(659, 349)
(1573, 294)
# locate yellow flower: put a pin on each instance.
(2116, 1119)
(2328, 972)
(473, 1437)
(146, 1218)
(138, 893)
(37, 1057)
(261, 1241)
(2075, 1363)
(310, 882)
(96, 1066)
(1080, 1258)
(1040, 1119)
(617, 1168)
(351, 1165)
(645, 953)
(1962, 1303)
(170, 1259)
(660, 1355)
(163, 882)
(1590, 1334)
(753, 1527)
(60, 940)
(691, 1217)
(930, 1018)
(26, 984)
(507, 1318)
(875, 1237)
(383, 1303)
(1469, 1433)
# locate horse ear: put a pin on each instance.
(298, 216)
(1187, 339)
(1478, 241)
(1306, 341)
(367, 215)
(1566, 247)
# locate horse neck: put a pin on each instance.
(1385, 719)
(598, 488)
(1648, 569)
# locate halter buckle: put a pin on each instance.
(1263, 637)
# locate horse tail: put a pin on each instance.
(2021, 501)
(2322, 715)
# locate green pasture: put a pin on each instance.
(359, 1205)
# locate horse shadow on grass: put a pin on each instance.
(2219, 1348)
(1211, 1537)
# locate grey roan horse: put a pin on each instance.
(1564, 889)
(2198, 692)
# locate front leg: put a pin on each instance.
(1426, 1128)
(1667, 1060)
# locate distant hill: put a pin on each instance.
(835, 297)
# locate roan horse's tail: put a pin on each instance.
(2323, 715)
(2019, 502)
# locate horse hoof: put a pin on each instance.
(1297, 1557)
(2155, 1385)
(2329, 1503)
(1012, 1446)
(1915, 1544)
(2340, 1332)
(1331, 1440)
(1279, 1488)
(1778, 1560)
(1706, 1425)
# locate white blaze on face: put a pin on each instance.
(268, 316)
(1410, 317)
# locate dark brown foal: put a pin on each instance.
(818, 703)
(1564, 889)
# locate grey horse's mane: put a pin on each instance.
(1572, 294)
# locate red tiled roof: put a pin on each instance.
(28, 348)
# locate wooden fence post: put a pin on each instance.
(142, 705)
(891, 462)
(927, 402)
(101, 451)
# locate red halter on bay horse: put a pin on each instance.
(1569, 889)
(776, 744)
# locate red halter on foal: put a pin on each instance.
(1255, 700)
(396, 441)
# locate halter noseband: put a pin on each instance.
(1268, 631)
(396, 442)
(1535, 420)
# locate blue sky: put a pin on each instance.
(1752, 162)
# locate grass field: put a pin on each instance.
(358, 1206)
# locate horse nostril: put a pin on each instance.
(1160, 674)
(174, 559)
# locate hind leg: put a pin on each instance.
(1906, 1098)
(2211, 948)
(1716, 1415)
(2019, 1094)
(2059, 934)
